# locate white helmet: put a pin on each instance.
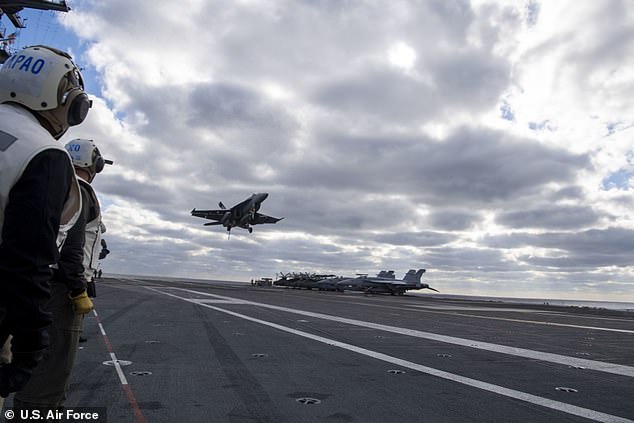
(46, 81)
(86, 155)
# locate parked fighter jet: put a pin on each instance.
(242, 215)
(306, 280)
(385, 282)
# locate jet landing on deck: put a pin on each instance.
(243, 215)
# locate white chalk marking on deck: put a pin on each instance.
(208, 301)
(511, 393)
(477, 308)
(600, 366)
(138, 415)
(534, 322)
(117, 366)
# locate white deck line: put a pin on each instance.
(600, 366)
(500, 390)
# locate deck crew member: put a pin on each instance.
(41, 96)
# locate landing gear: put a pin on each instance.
(250, 230)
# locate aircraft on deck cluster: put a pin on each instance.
(242, 215)
(384, 282)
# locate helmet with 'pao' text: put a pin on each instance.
(46, 81)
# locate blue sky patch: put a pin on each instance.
(539, 126)
(507, 111)
(619, 180)
(611, 127)
(532, 13)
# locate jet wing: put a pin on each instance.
(262, 218)
(384, 282)
(241, 204)
(396, 284)
(209, 214)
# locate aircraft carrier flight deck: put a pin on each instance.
(188, 351)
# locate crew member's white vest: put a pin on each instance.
(21, 139)
(92, 246)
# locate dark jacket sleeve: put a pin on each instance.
(71, 261)
(28, 247)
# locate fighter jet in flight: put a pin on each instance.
(385, 282)
(242, 215)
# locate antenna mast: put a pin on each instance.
(11, 10)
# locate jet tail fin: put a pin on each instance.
(413, 276)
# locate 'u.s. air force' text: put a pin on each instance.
(68, 415)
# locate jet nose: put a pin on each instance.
(262, 196)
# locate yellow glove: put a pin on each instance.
(81, 303)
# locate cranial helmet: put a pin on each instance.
(86, 155)
(46, 81)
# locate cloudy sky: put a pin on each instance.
(489, 142)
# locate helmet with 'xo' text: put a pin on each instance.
(85, 155)
(46, 81)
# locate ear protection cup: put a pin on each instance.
(97, 160)
(77, 105)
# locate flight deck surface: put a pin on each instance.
(188, 351)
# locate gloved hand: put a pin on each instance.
(81, 303)
(104, 249)
(15, 375)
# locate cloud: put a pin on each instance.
(593, 248)
(453, 220)
(488, 141)
(416, 239)
(559, 217)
